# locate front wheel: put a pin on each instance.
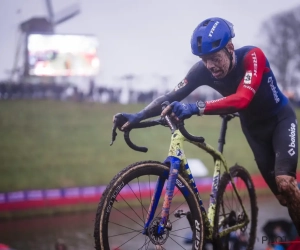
(229, 211)
(123, 210)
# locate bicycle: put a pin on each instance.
(173, 184)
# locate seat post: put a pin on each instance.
(221, 140)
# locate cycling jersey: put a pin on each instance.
(250, 87)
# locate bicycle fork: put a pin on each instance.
(173, 174)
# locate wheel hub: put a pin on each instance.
(155, 237)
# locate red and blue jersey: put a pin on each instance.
(250, 88)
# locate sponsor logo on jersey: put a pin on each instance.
(248, 77)
(217, 100)
(273, 88)
(292, 135)
(213, 28)
(250, 88)
(181, 84)
(254, 59)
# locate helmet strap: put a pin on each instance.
(230, 58)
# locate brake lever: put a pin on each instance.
(163, 122)
(114, 134)
(168, 119)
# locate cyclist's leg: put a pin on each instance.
(260, 142)
(285, 143)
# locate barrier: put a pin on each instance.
(35, 199)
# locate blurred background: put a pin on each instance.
(68, 66)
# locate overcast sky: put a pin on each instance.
(146, 38)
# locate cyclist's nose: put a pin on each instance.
(210, 65)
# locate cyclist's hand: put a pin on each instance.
(123, 120)
(181, 111)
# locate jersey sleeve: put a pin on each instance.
(195, 77)
(254, 63)
(180, 91)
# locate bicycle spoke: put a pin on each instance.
(225, 203)
(147, 242)
(141, 200)
(181, 229)
(128, 240)
(131, 207)
(147, 239)
(178, 236)
(238, 187)
(176, 208)
(177, 219)
(177, 243)
(133, 230)
(234, 201)
(127, 216)
(232, 195)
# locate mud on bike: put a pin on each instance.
(157, 205)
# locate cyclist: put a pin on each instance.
(248, 86)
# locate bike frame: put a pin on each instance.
(178, 164)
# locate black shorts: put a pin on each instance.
(274, 143)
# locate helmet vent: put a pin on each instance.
(199, 43)
(216, 44)
(206, 22)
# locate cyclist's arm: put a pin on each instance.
(255, 66)
(182, 90)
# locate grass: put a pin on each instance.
(48, 144)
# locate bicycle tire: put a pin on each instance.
(125, 176)
(223, 243)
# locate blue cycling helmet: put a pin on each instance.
(211, 35)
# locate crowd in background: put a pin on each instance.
(102, 94)
(69, 91)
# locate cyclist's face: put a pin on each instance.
(217, 63)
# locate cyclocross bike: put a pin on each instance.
(157, 205)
